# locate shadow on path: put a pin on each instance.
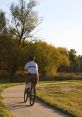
(15, 106)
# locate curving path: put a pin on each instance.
(13, 100)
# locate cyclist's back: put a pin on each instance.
(32, 70)
(32, 67)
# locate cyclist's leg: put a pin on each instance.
(33, 89)
(27, 80)
(34, 79)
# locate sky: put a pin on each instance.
(61, 22)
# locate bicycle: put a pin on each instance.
(30, 93)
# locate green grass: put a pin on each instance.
(4, 112)
(65, 95)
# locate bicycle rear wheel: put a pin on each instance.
(32, 95)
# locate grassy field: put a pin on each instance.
(64, 95)
(3, 110)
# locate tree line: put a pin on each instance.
(17, 44)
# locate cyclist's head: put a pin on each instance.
(31, 58)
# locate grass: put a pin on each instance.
(65, 95)
(4, 112)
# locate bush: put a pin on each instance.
(62, 77)
(4, 76)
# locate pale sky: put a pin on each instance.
(62, 22)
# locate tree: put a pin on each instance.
(24, 19)
(2, 21)
(74, 60)
(80, 63)
(64, 61)
(46, 57)
(9, 55)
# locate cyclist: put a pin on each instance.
(31, 69)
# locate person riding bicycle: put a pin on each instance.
(31, 69)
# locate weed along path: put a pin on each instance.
(13, 100)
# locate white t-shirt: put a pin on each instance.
(32, 67)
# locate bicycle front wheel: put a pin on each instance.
(25, 96)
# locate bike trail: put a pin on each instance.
(13, 100)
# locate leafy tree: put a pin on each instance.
(80, 63)
(2, 22)
(73, 60)
(24, 19)
(72, 55)
(46, 55)
(64, 61)
(8, 55)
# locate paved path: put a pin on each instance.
(13, 99)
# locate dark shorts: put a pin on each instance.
(31, 77)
